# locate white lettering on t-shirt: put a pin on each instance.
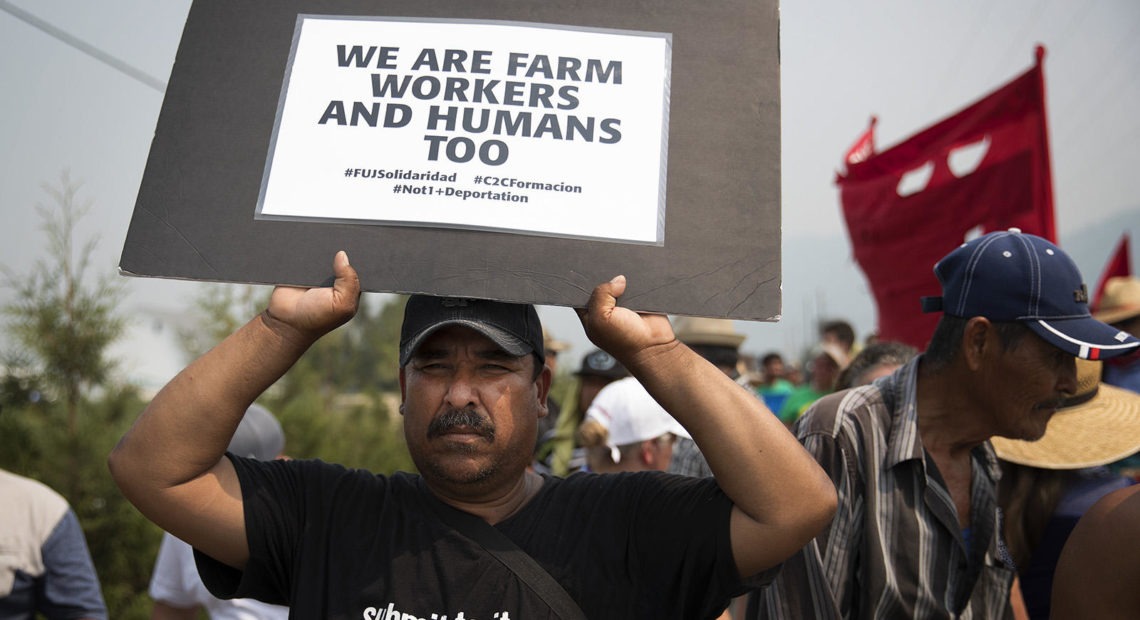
(391, 613)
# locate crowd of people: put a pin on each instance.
(988, 475)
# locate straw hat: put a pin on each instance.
(693, 330)
(552, 344)
(1102, 426)
(1121, 300)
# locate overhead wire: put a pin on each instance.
(92, 51)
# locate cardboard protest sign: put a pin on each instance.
(513, 150)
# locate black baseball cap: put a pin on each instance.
(598, 363)
(515, 328)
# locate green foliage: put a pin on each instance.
(34, 442)
(564, 388)
(63, 320)
(61, 411)
(221, 308)
(337, 403)
(51, 430)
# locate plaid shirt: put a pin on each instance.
(688, 460)
(894, 549)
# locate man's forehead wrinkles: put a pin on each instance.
(442, 344)
(429, 353)
(490, 353)
(498, 354)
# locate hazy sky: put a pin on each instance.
(909, 63)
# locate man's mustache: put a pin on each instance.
(460, 418)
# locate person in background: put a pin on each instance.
(839, 333)
(827, 361)
(1048, 484)
(560, 454)
(1099, 567)
(871, 338)
(775, 387)
(45, 566)
(795, 374)
(1120, 307)
(717, 341)
(175, 586)
(547, 425)
(626, 430)
(873, 361)
(917, 531)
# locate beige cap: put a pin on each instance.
(552, 345)
(1121, 300)
(707, 331)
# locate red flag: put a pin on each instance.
(864, 147)
(1118, 264)
(984, 168)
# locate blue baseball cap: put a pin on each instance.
(1014, 276)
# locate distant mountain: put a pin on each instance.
(1090, 246)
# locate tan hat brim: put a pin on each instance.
(1101, 431)
(1115, 315)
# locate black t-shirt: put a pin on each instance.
(337, 543)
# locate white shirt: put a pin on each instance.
(176, 583)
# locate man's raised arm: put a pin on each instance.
(171, 463)
(782, 497)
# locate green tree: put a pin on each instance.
(62, 410)
(337, 402)
(350, 377)
(64, 321)
(221, 309)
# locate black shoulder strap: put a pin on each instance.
(507, 552)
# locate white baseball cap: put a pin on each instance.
(631, 415)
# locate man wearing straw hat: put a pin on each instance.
(1046, 485)
(553, 347)
(916, 534)
(717, 341)
(1120, 307)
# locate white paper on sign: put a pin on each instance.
(506, 126)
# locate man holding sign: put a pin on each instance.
(338, 543)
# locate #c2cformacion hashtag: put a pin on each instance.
(524, 184)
